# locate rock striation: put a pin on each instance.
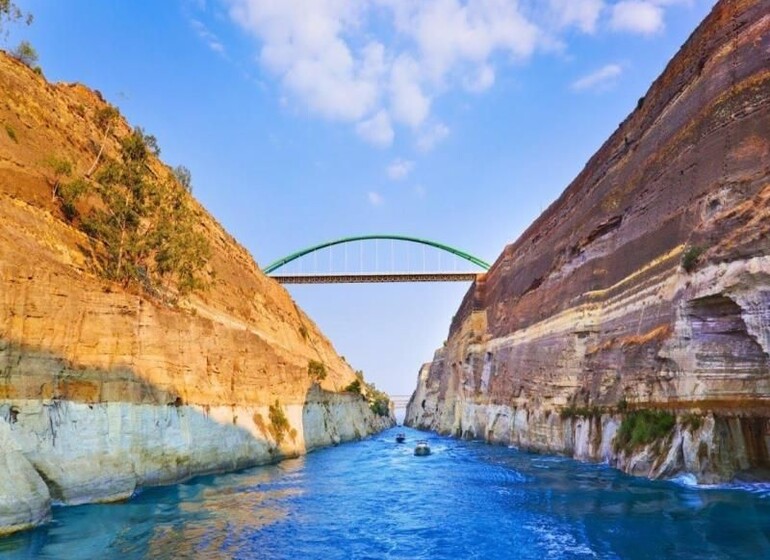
(103, 389)
(643, 292)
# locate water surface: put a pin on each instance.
(375, 499)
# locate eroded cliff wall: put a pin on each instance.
(104, 389)
(644, 287)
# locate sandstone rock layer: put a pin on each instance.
(646, 285)
(104, 389)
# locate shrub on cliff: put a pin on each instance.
(642, 427)
(316, 370)
(11, 132)
(380, 406)
(69, 194)
(184, 177)
(691, 257)
(279, 424)
(59, 168)
(588, 412)
(26, 54)
(379, 401)
(354, 387)
(303, 332)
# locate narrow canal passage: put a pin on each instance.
(375, 499)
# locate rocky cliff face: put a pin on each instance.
(103, 389)
(641, 297)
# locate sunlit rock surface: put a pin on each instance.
(104, 390)
(24, 497)
(591, 313)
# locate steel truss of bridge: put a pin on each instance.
(376, 277)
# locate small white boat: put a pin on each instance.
(422, 448)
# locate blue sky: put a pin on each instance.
(458, 121)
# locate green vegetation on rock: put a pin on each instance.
(105, 119)
(279, 424)
(354, 387)
(580, 412)
(11, 132)
(642, 427)
(380, 406)
(691, 257)
(26, 54)
(142, 225)
(59, 167)
(691, 421)
(69, 193)
(379, 401)
(184, 177)
(316, 370)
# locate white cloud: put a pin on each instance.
(600, 80)
(482, 80)
(637, 16)
(399, 169)
(375, 198)
(410, 105)
(329, 60)
(380, 65)
(377, 130)
(583, 14)
(430, 137)
(303, 44)
(420, 191)
(207, 36)
(450, 34)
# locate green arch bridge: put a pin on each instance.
(331, 277)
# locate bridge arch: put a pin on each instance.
(272, 267)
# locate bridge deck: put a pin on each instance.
(375, 277)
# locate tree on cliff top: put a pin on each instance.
(26, 54)
(11, 13)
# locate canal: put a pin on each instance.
(375, 499)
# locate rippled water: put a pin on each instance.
(375, 499)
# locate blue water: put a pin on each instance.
(375, 499)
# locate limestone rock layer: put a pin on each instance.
(104, 389)
(645, 286)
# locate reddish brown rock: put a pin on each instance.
(591, 312)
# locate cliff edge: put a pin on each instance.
(105, 386)
(631, 322)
